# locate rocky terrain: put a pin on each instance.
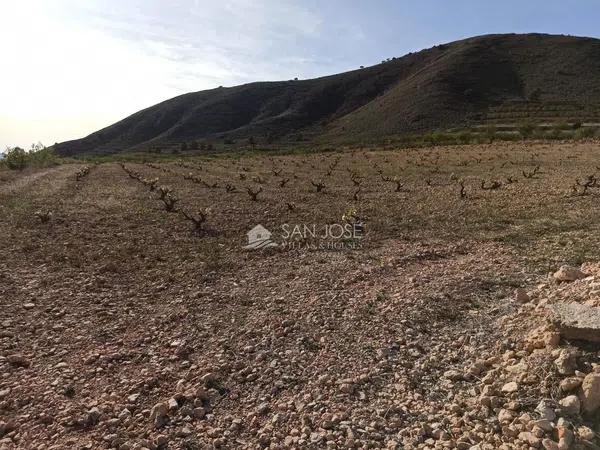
(126, 325)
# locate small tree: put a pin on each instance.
(15, 158)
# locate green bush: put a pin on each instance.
(526, 129)
(464, 137)
(40, 156)
(16, 158)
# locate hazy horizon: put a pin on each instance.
(76, 67)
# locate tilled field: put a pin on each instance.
(126, 326)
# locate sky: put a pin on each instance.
(71, 67)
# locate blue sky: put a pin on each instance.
(74, 66)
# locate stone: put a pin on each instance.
(510, 387)
(543, 424)
(565, 435)
(93, 416)
(209, 378)
(576, 321)
(183, 432)
(172, 404)
(520, 367)
(263, 408)
(565, 443)
(110, 438)
(199, 413)
(566, 363)
(453, 375)
(505, 416)
(200, 392)
(6, 427)
(161, 441)
(29, 305)
(549, 444)
(521, 295)
(529, 438)
(570, 384)
(568, 274)
(590, 393)
(545, 411)
(186, 411)
(158, 414)
(18, 360)
(327, 421)
(570, 405)
(586, 433)
(551, 339)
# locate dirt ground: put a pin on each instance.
(122, 327)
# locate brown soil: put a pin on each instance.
(118, 305)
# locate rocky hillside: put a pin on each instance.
(498, 78)
(554, 336)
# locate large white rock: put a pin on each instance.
(568, 273)
(571, 405)
(576, 321)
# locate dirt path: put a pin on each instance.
(56, 174)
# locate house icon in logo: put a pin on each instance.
(259, 237)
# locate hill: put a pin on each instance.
(487, 79)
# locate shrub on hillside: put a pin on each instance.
(585, 133)
(464, 137)
(40, 156)
(16, 158)
(526, 129)
(555, 134)
(490, 133)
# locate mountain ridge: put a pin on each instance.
(454, 84)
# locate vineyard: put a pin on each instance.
(133, 317)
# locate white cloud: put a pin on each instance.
(74, 67)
